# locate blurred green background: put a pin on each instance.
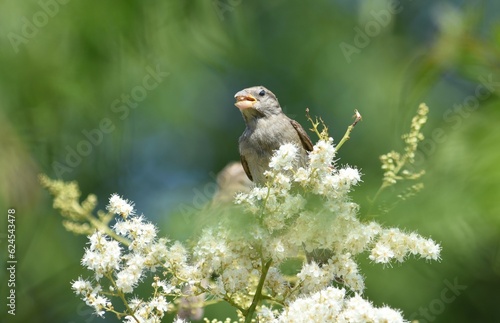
(136, 97)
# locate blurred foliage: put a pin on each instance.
(64, 65)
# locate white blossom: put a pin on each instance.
(349, 175)
(120, 206)
(284, 158)
(321, 158)
(81, 286)
(304, 212)
(103, 255)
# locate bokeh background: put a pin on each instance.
(157, 78)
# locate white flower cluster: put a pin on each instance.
(332, 305)
(232, 259)
(394, 244)
(103, 255)
(285, 159)
(151, 311)
(305, 211)
(310, 206)
(118, 205)
(125, 269)
(91, 295)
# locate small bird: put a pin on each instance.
(267, 128)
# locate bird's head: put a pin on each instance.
(257, 102)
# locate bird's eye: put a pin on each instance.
(262, 93)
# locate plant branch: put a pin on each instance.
(258, 292)
(96, 223)
(347, 134)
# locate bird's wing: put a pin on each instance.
(306, 141)
(245, 167)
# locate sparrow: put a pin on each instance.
(267, 128)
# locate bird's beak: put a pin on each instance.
(244, 101)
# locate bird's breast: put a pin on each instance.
(260, 139)
(267, 135)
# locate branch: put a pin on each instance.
(346, 137)
(258, 292)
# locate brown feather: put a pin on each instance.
(304, 138)
(245, 167)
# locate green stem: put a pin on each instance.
(96, 223)
(258, 292)
(348, 131)
(314, 124)
(99, 224)
(372, 201)
(264, 203)
(121, 295)
(385, 184)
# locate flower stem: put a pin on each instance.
(96, 223)
(258, 292)
(348, 131)
(121, 295)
